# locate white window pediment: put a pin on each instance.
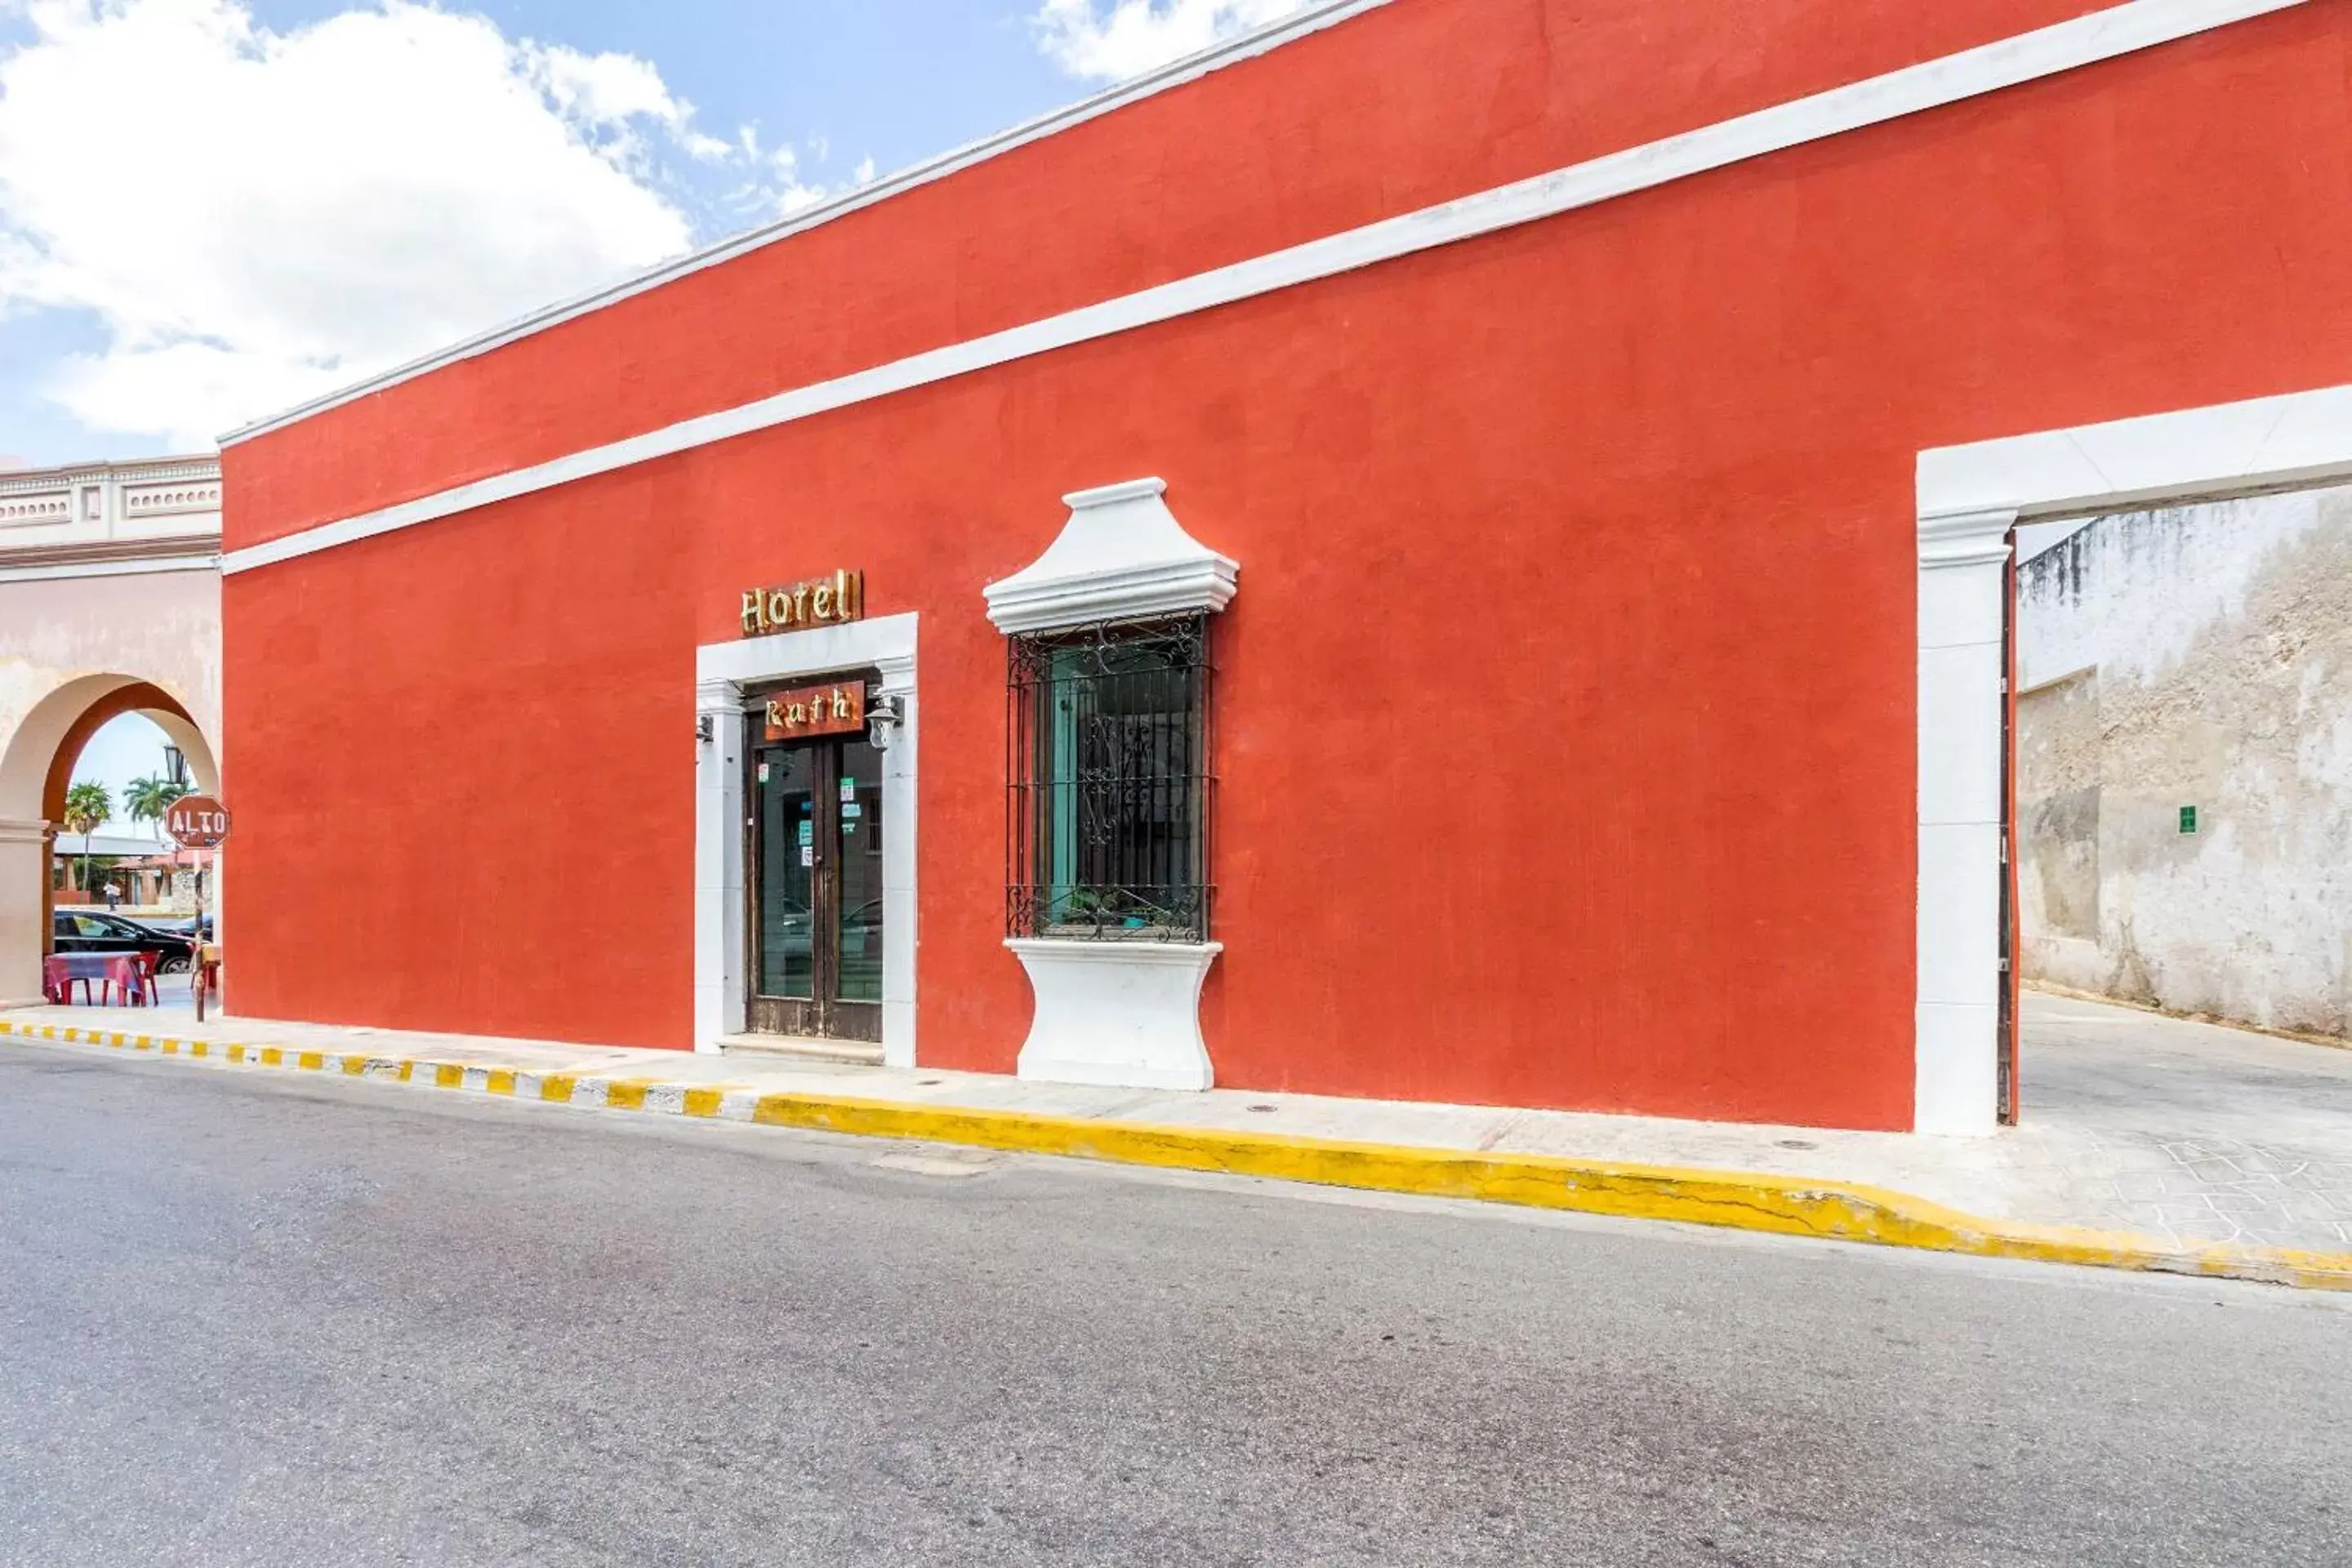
(1121, 556)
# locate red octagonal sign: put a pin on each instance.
(196, 822)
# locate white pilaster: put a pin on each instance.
(24, 872)
(899, 934)
(718, 936)
(1962, 561)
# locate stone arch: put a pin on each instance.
(35, 768)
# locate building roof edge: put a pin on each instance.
(1175, 73)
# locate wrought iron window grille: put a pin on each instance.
(1108, 776)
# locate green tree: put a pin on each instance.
(148, 799)
(87, 805)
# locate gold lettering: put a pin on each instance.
(841, 597)
(840, 703)
(797, 714)
(775, 715)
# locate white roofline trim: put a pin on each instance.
(138, 566)
(201, 465)
(1176, 73)
(2285, 442)
(2121, 29)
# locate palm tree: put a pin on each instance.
(87, 805)
(148, 799)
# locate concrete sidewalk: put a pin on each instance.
(2148, 1141)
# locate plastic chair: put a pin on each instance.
(144, 966)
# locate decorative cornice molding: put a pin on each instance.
(2121, 29)
(101, 519)
(1121, 556)
(130, 471)
(110, 569)
(1966, 538)
(117, 559)
(150, 548)
(816, 651)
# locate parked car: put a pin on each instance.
(183, 925)
(94, 930)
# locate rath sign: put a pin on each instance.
(196, 822)
(838, 709)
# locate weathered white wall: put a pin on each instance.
(159, 627)
(2198, 655)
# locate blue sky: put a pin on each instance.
(210, 209)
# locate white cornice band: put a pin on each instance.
(132, 566)
(125, 470)
(2119, 30)
(1175, 73)
(2294, 439)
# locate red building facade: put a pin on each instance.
(1584, 437)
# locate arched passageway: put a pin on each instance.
(37, 763)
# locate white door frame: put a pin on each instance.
(1969, 498)
(721, 671)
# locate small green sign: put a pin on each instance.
(2188, 819)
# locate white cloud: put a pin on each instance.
(608, 89)
(773, 186)
(1129, 37)
(254, 216)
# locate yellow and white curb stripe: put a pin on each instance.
(1785, 1206)
(587, 1092)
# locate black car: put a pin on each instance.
(183, 925)
(94, 930)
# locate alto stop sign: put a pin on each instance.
(196, 822)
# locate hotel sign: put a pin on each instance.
(819, 602)
(837, 708)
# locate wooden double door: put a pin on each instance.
(815, 887)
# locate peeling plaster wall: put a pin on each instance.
(2197, 655)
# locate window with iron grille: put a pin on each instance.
(1106, 817)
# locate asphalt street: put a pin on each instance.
(262, 1319)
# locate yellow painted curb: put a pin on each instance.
(1786, 1205)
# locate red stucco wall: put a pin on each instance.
(1566, 709)
(1419, 102)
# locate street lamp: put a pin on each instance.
(176, 765)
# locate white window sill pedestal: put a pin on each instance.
(1118, 1015)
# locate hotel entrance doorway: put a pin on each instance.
(815, 854)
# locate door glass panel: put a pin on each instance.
(785, 783)
(860, 792)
